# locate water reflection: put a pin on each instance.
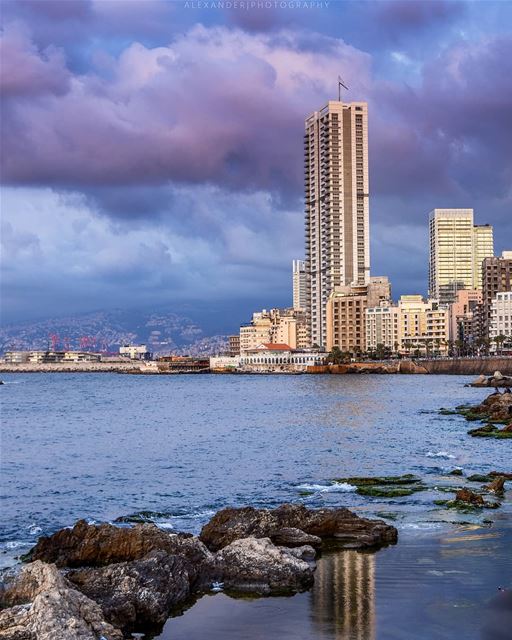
(343, 598)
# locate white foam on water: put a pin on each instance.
(34, 530)
(422, 526)
(341, 487)
(440, 454)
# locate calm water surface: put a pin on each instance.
(99, 446)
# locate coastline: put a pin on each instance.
(439, 366)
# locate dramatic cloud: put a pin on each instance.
(154, 151)
(27, 72)
(207, 108)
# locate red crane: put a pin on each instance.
(54, 338)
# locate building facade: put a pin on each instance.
(483, 247)
(135, 351)
(423, 325)
(299, 280)
(336, 206)
(462, 314)
(382, 327)
(457, 249)
(501, 321)
(496, 278)
(277, 326)
(345, 313)
(280, 357)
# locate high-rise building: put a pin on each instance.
(457, 249)
(299, 285)
(496, 278)
(336, 206)
(483, 247)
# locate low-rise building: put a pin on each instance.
(224, 362)
(280, 357)
(135, 351)
(42, 357)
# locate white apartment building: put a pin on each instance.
(382, 327)
(457, 250)
(501, 318)
(336, 206)
(299, 280)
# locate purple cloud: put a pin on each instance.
(27, 72)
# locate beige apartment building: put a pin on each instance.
(336, 189)
(457, 250)
(275, 326)
(345, 313)
(422, 325)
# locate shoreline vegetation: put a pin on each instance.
(442, 366)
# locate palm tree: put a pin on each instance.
(335, 356)
(499, 340)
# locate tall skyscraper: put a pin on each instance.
(457, 250)
(483, 247)
(336, 206)
(299, 285)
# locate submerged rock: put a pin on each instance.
(256, 565)
(360, 481)
(45, 606)
(497, 485)
(340, 524)
(389, 491)
(466, 495)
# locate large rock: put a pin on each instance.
(141, 592)
(341, 525)
(496, 407)
(466, 495)
(44, 606)
(105, 544)
(257, 566)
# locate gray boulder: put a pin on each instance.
(255, 565)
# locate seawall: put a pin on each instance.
(447, 366)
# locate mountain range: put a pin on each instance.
(162, 331)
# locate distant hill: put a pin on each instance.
(163, 332)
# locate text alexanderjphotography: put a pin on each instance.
(255, 4)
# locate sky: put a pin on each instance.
(151, 150)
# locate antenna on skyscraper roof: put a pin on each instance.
(341, 84)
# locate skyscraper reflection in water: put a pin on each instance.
(343, 598)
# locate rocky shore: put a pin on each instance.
(495, 410)
(104, 581)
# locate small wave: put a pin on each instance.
(342, 487)
(34, 530)
(421, 526)
(440, 454)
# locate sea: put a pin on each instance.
(175, 449)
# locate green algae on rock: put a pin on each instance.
(362, 481)
(382, 491)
